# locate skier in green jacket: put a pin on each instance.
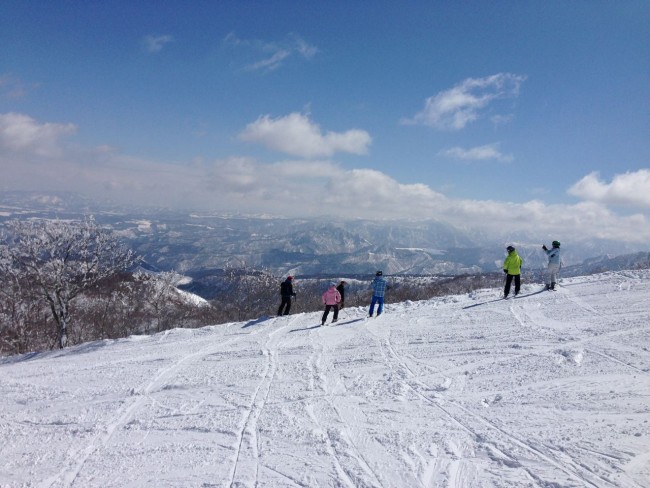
(512, 268)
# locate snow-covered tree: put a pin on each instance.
(247, 293)
(162, 297)
(22, 321)
(62, 259)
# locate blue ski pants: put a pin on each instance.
(376, 300)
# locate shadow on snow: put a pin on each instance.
(501, 298)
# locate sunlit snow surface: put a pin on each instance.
(548, 390)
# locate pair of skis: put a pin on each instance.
(519, 295)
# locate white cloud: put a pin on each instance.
(628, 189)
(21, 133)
(296, 135)
(480, 153)
(271, 63)
(453, 109)
(155, 44)
(273, 53)
(303, 48)
(297, 188)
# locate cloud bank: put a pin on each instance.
(631, 189)
(35, 156)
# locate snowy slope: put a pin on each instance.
(548, 390)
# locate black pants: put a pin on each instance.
(285, 306)
(327, 311)
(517, 278)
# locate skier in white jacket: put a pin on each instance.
(554, 264)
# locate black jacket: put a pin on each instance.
(341, 290)
(286, 289)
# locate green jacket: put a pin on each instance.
(513, 263)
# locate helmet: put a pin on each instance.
(332, 284)
(379, 273)
(556, 243)
(510, 248)
(289, 277)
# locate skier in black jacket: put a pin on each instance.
(341, 290)
(286, 291)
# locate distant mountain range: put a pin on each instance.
(189, 242)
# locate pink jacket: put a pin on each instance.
(331, 296)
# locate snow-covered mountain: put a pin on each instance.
(551, 389)
(186, 242)
(639, 260)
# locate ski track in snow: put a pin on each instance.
(246, 463)
(69, 473)
(405, 375)
(545, 390)
(396, 364)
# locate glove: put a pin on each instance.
(505, 271)
(544, 247)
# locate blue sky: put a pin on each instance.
(533, 115)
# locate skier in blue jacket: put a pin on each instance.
(554, 264)
(379, 287)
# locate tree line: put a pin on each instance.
(66, 283)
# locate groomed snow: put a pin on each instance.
(548, 390)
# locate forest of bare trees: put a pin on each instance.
(66, 283)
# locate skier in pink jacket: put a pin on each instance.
(331, 299)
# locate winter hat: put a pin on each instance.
(379, 273)
(510, 248)
(556, 243)
(289, 277)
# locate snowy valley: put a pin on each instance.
(201, 245)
